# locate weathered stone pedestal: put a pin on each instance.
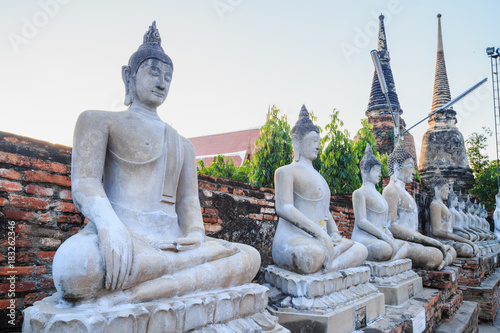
(475, 270)
(339, 302)
(395, 279)
(238, 309)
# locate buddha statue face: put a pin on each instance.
(374, 175)
(150, 85)
(443, 191)
(306, 146)
(406, 171)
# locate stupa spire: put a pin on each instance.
(441, 94)
(377, 100)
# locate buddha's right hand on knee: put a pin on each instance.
(116, 248)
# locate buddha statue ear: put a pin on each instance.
(296, 147)
(127, 77)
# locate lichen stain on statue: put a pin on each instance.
(135, 180)
(425, 252)
(307, 239)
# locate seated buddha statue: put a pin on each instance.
(459, 227)
(425, 252)
(134, 178)
(307, 239)
(371, 225)
(441, 222)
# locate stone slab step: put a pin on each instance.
(464, 321)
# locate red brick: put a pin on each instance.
(256, 216)
(11, 174)
(209, 219)
(50, 242)
(25, 257)
(267, 210)
(45, 217)
(69, 219)
(43, 177)
(40, 270)
(209, 227)
(3, 202)
(19, 287)
(28, 202)
(65, 195)
(211, 211)
(23, 228)
(268, 217)
(5, 303)
(46, 283)
(20, 242)
(19, 270)
(66, 207)
(33, 163)
(45, 191)
(47, 256)
(8, 186)
(29, 299)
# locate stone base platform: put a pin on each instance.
(486, 295)
(475, 270)
(339, 302)
(238, 309)
(395, 279)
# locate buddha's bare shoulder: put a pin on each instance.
(97, 118)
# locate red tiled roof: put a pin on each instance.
(237, 145)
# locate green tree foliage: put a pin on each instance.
(226, 169)
(274, 149)
(476, 144)
(486, 185)
(339, 161)
(363, 137)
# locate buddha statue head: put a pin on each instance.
(305, 137)
(440, 188)
(370, 167)
(452, 200)
(400, 163)
(149, 72)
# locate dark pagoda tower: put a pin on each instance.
(378, 112)
(443, 150)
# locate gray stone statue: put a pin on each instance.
(496, 216)
(371, 226)
(425, 252)
(317, 281)
(441, 222)
(459, 227)
(307, 239)
(135, 179)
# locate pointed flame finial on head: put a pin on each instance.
(152, 35)
(304, 114)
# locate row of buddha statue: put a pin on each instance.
(134, 178)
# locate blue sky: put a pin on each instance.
(234, 58)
